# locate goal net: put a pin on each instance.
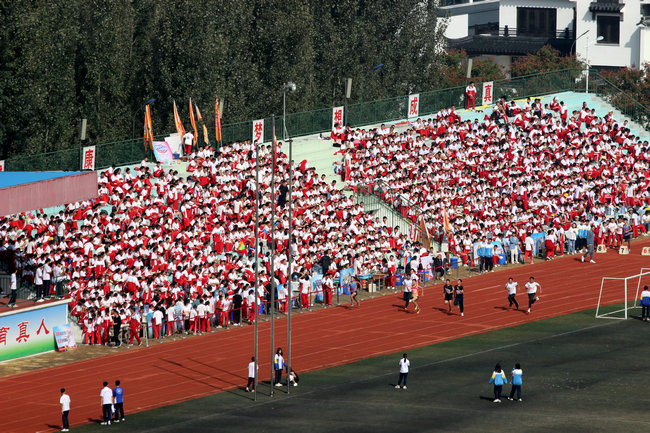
(620, 295)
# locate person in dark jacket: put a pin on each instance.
(591, 238)
(326, 262)
(236, 308)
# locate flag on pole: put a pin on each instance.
(205, 128)
(193, 122)
(217, 120)
(177, 121)
(148, 128)
(445, 218)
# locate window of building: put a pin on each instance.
(536, 22)
(609, 27)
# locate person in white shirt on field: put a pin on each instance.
(65, 410)
(106, 398)
(250, 386)
(532, 287)
(511, 287)
(404, 365)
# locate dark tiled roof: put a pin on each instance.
(513, 46)
(606, 6)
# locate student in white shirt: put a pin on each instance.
(250, 386)
(404, 364)
(106, 398)
(532, 287)
(65, 409)
(511, 287)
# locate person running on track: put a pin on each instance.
(448, 290)
(353, 293)
(415, 292)
(532, 287)
(459, 293)
(511, 287)
(407, 288)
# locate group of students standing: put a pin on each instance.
(112, 402)
(499, 379)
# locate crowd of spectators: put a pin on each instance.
(180, 250)
(522, 171)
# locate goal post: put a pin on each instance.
(615, 291)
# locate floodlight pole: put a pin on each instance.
(289, 86)
(256, 257)
(272, 276)
(290, 256)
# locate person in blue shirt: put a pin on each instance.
(645, 304)
(516, 382)
(118, 401)
(498, 379)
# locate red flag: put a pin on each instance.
(205, 128)
(217, 120)
(193, 122)
(179, 125)
(148, 128)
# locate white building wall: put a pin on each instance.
(508, 11)
(644, 45)
(628, 52)
(457, 26)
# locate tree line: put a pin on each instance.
(64, 60)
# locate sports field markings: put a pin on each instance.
(486, 288)
(532, 414)
(366, 379)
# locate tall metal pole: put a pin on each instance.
(256, 256)
(290, 259)
(272, 276)
(284, 112)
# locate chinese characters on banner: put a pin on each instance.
(2, 165)
(337, 116)
(21, 328)
(25, 333)
(258, 131)
(88, 158)
(488, 90)
(414, 105)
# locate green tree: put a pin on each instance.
(65, 60)
(40, 112)
(545, 60)
(455, 69)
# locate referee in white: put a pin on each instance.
(532, 287)
(404, 365)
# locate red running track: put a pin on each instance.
(195, 367)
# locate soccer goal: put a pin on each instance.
(619, 295)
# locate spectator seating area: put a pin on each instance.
(177, 252)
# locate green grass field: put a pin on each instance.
(580, 375)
